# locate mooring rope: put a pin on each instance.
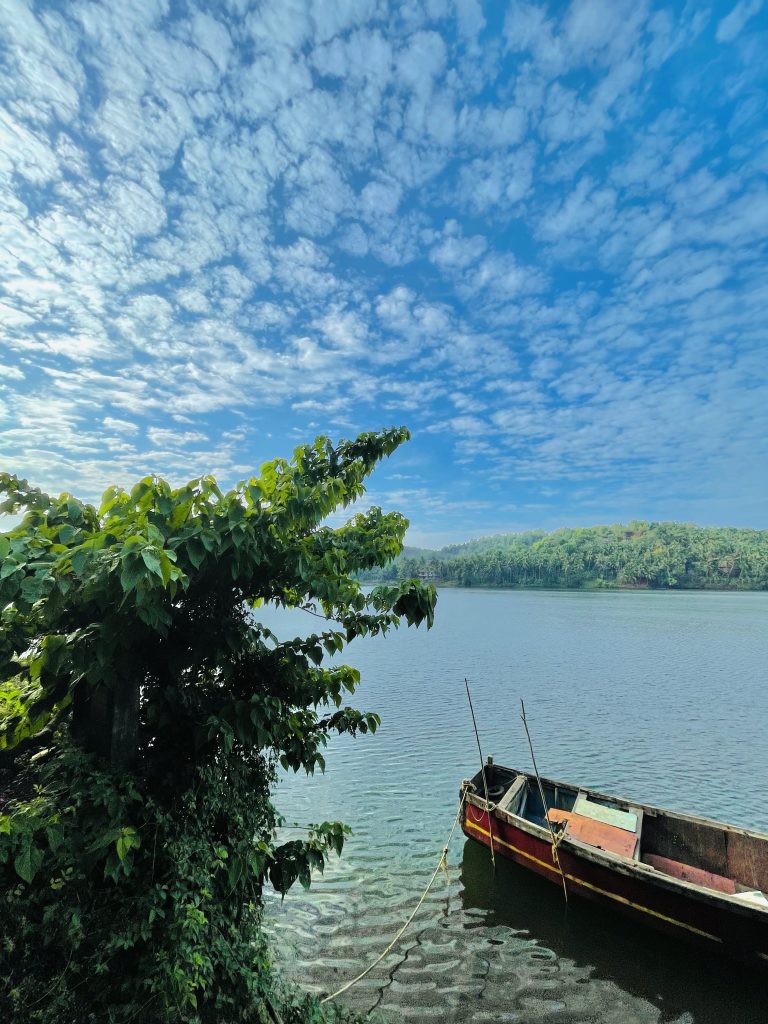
(442, 863)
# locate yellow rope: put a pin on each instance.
(556, 840)
(441, 864)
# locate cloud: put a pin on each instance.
(120, 426)
(732, 24)
(536, 235)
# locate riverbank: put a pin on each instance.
(635, 556)
(596, 586)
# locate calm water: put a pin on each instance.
(657, 697)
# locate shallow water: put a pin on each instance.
(660, 697)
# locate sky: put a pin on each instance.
(533, 233)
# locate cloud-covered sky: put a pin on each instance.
(534, 233)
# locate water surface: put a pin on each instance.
(659, 697)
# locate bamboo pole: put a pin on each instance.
(555, 856)
(482, 770)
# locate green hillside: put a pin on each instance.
(640, 554)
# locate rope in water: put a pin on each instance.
(442, 863)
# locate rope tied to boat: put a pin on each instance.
(442, 864)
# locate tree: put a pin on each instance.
(143, 711)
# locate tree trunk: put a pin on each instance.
(106, 721)
(125, 725)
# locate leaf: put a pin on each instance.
(32, 588)
(133, 571)
(55, 837)
(67, 534)
(126, 840)
(28, 860)
(195, 552)
(108, 499)
(151, 559)
(80, 560)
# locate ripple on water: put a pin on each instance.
(658, 697)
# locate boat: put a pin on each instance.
(690, 876)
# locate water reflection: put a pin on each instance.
(682, 982)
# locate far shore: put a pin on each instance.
(595, 589)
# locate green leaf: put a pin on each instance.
(126, 840)
(151, 559)
(195, 552)
(8, 569)
(32, 588)
(80, 560)
(67, 534)
(28, 861)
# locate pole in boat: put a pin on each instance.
(482, 770)
(555, 856)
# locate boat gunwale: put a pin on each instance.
(614, 862)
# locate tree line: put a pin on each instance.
(637, 555)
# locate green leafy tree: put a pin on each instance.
(662, 555)
(143, 712)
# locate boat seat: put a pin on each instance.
(606, 828)
(596, 833)
(506, 802)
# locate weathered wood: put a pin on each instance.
(747, 859)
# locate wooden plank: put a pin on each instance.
(608, 815)
(688, 873)
(601, 836)
(558, 816)
(747, 860)
(505, 804)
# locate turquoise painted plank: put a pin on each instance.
(608, 815)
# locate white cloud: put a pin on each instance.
(120, 426)
(321, 216)
(165, 438)
(732, 24)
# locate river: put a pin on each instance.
(655, 696)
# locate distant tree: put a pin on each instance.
(143, 712)
(662, 555)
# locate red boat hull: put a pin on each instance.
(651, 900)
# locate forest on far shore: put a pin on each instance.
(638, 555)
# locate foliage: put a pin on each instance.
(143, 712)
(641, 554)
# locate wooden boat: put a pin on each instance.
(690, 876)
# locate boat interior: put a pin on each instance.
(720, 858)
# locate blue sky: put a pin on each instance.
(535, 234)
